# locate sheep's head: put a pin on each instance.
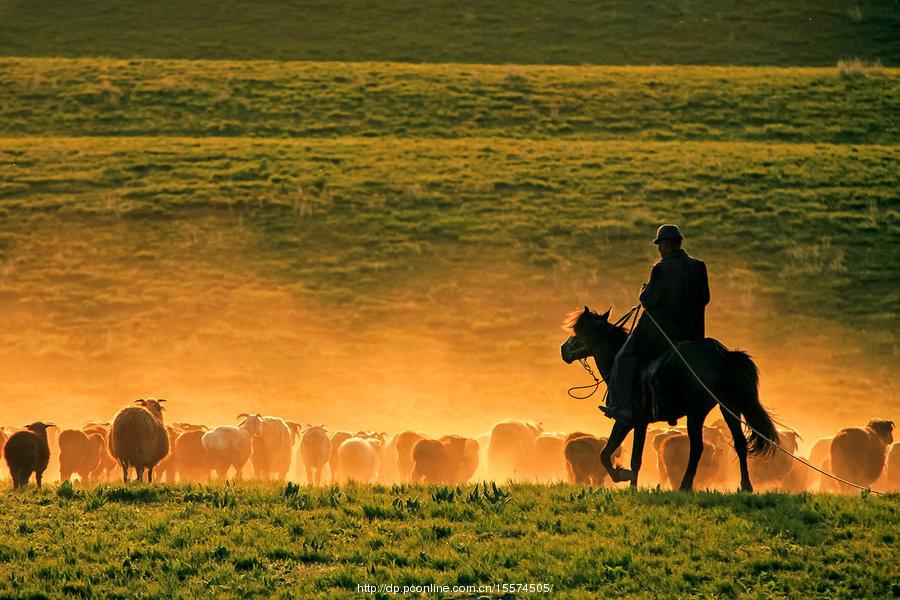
(883, 429)
(153, 405)
(40, 428)
(252, 424)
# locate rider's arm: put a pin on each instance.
(704, 284)
(655, 289)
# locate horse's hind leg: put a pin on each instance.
(695, 434)
(740, 447)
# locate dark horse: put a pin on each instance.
(730, 374)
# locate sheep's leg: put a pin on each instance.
(149, 474)
(124, 471)
(37, 477)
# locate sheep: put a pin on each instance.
(431, 462)
(858, 455)
(138, 438)
(582, 453)
(334, 461)
(511, 449)
(359, 459)
(79, 453)
(228, 446)
(28, 452)
(452, 459)
(166, 468)
(189, 456)
(483, 440)
(770, 470)
(53, 445)
(892, 471)
(403, 446)
(314, 452)
(797, 478)
(820, 456)
(107, 463)
(464, 453)
(674, 451)
(272, 450)
(549, 461)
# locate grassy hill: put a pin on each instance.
(261, 540)
(269, 99)
(276, 232)
(271, 263)
(611, 32)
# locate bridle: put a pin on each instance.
(630, 315)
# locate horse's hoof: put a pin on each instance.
(620, 475)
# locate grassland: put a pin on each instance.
(251, 540)
(343, 220)
(720, 32)
(64, 97)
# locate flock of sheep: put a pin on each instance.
(137, 440)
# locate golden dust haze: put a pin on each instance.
(454, 352)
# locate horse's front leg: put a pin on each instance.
(695, 434)
(637, 451)
(616, 437)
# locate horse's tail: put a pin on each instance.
(743, 389)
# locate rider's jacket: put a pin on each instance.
(676, 296)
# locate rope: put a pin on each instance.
(744, 423)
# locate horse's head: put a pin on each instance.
(588, 329)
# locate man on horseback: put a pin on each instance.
(676, 295)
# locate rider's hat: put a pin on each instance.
(668, 232)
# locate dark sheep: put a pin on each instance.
(28, 452)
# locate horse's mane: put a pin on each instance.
(572, 319)
(580, 317)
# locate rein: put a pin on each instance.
(587, 367)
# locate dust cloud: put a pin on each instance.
(450, 354)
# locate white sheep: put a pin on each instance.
(315, 450)
(359, 459)
(227, 446)
(272, 451)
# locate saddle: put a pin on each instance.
(657, 402)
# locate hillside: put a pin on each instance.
(610, 32)
(385, 245)
(289, 272)
(268, 99)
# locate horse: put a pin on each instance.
(730, 374)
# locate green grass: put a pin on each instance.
(721, 32)
(344, 221)
(268, 99)
(263, 539)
